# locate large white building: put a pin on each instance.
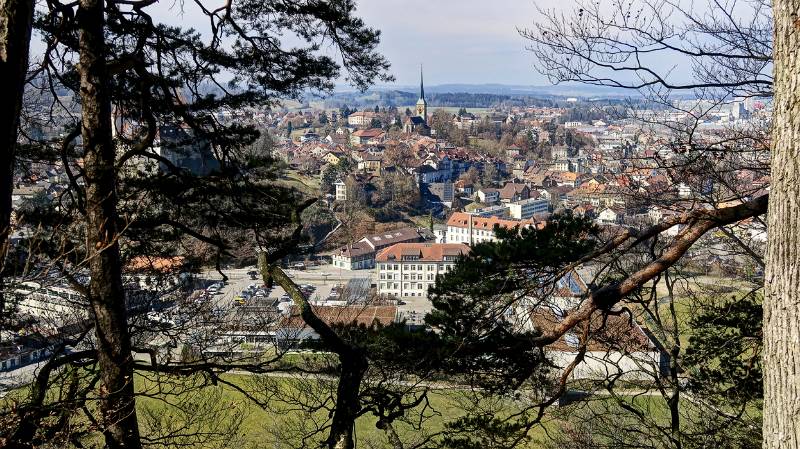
(360, 118)
(409, 269)
(473, 229)
(524, 209)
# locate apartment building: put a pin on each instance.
(473, 229)
(525, 209)
(409, 269)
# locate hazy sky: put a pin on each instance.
(458, 41)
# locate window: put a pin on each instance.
(405, 277)
(383, 285)
(419, 286)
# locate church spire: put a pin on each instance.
(421, 84)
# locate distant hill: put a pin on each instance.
(561, 90)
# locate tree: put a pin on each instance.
(600, 44)
(137, 68)
(471, 176)
(782, 281)
(16, 17)
(490, 173)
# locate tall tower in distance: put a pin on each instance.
(422, 104)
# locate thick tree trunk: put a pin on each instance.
(16, 17)
(106, 293)
(353, 367)
(782, 283)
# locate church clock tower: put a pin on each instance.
(422, 105)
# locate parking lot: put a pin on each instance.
(325, 284)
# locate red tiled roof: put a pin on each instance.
(426, 252)
(344, 315)
(461, 220)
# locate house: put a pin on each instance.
(356, 256)
(370, 162)
(361, 254)
(465, 121)
(332, 157)
(684, 191)
(309, 136)
(519, 165)
(617, 347)
(561, 165)
(425, 174)
(514, 192)
(559, 153)
(371, 136)
(488, 195)
(610, 216)
(464, 187)
(341, 190)
(410, 269)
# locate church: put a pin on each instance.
(418, 123)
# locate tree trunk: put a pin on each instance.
(16, 17)
(782, 283)
(352, 360)
(106, 293)
(353, 367)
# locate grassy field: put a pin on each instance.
(281, 424)
(309, 185)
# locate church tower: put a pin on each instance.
(422, 104)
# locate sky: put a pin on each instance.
(457, 41)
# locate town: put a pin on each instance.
(285, 225)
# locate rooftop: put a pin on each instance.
(424, 252)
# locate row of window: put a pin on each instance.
(483, 232)
(408, 277)
(406, 286)
(413, 267)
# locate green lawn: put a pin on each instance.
(282, 423)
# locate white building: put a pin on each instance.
(341, 190)
(473, 229)
(524, 209)
(609, 216)
(409, 269)
(360, 118)
(53, 304)
(361, 254)
(488, 196)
